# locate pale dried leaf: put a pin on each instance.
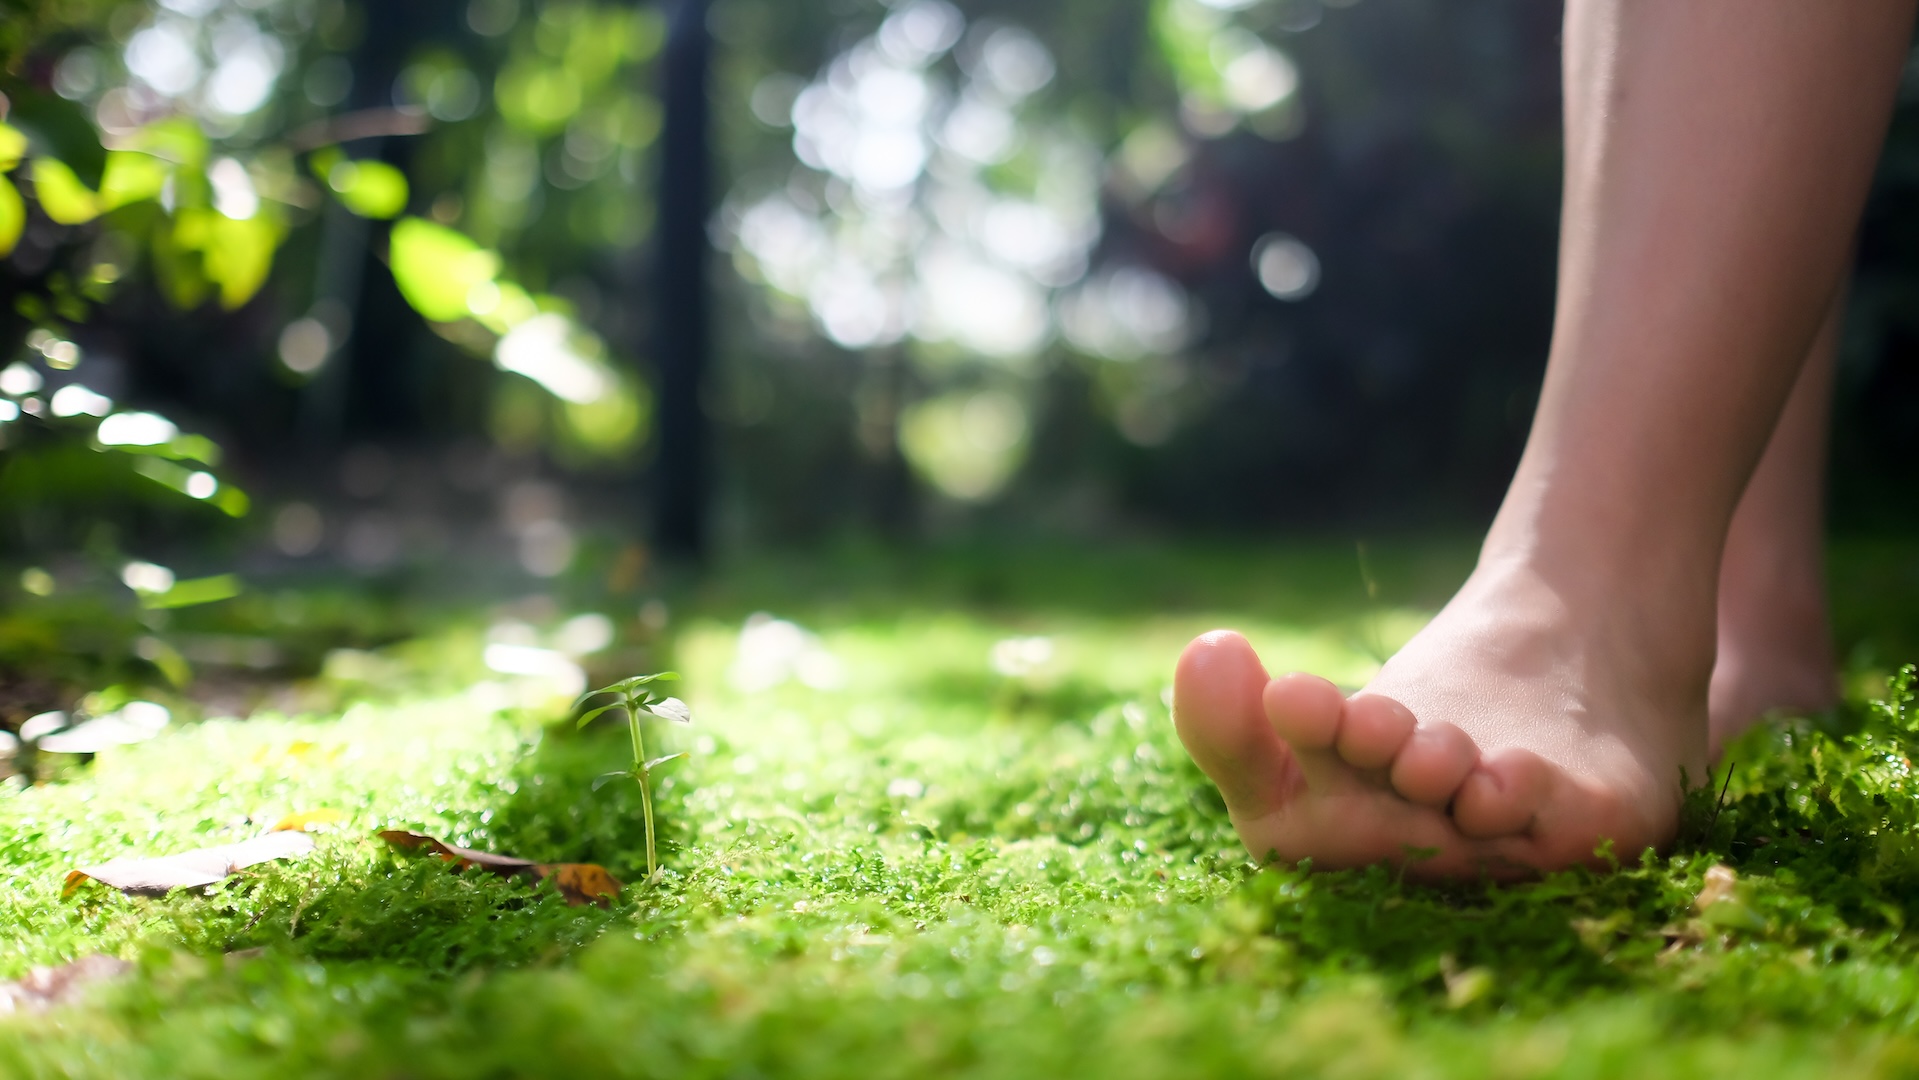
(44, 987)
(206, 866)
(1721, 880)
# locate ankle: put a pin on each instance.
(1638, 565)
(1655, 634)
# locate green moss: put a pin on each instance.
(942, 870)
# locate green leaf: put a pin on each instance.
(595, 714)
(204, 590)
(13, 216)
(232, 501)
(663, 760)
(437, 268)
(604, 779)
(371, 189)
(57, 128)
(61, 194)
(586, 697)
(1733, 913)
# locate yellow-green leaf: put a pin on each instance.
(62, 196)
(537, 96)
(13, 217)
(178, 140)
(13, 147)
(370, 189)
(613, 423)
(131, 177)
(437, 268)
(235, 256)
(238, 256)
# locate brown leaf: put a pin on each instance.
(582, 883)
(206, 866)
(461, 858)
(43, 987)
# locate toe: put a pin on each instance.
(1216, 709)
(1432, 763)
(1304, 710)
(1373, 731)
(1503, 795)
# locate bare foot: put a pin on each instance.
(1775, 655)
(1516, 733)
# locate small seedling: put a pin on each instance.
(639, 694)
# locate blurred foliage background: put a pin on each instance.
(297, 289)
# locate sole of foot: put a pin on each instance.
(1475, 753)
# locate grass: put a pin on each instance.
(937, 869)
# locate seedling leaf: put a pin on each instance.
(672, 709)
(658, 761)
(589, 717)
(628, 685)
(604, 779)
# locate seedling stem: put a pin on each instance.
(634, 696)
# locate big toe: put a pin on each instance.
(1216, 709)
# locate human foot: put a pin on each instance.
(1775, 655)
(1510, 736)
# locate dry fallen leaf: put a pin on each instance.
(461, 858)
(1721, 904)
(582, 883)
(207, 866)
(43, 987)
(1720, 882)
(579, 883)
(136, 722)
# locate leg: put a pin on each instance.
(1717, 155)
(1775, 641)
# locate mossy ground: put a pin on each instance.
(939, 870)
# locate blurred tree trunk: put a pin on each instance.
(681, 331)
(376, 385)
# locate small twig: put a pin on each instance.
(365, 124)
(1721, 804)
